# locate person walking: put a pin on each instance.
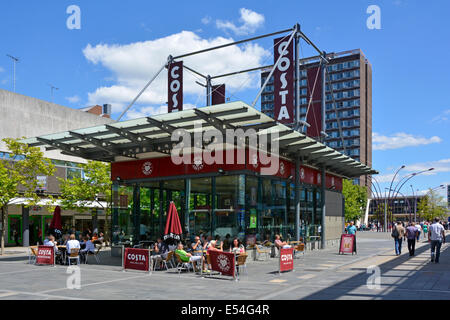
(425, 230)
(419, 230)
(436, 236)
(398, 233)
(351, 229)
(411, 234)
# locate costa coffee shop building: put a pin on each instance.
(302, 195)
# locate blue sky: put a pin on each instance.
(122, 43)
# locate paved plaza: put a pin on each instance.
(319, 274)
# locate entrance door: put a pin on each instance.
(14, 230)
(35, 230)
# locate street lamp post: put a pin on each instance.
(415, 204)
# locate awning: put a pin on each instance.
(48, 202)
(150, 137)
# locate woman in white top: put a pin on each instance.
(72, 243)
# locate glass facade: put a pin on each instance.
(241, 205)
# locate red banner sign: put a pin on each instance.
(175, 90)
(45, 255)
(314, 116)
(136, 259)
(218, 94)
(222, 262)
(348, 244)
(286, 259)
(284, 81)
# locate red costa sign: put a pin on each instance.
(314, 116)
(348, 244)
(175, 90)
(45, 255)
(286, 259)
(218, 94)
(136, 259)
(222, 262)
(284, 81)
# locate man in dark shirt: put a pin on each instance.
(411, 234)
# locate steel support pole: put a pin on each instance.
(208, 90)
(322, 236)
(385, 215)
(25, 227)
(297, 198)
(274, 66)
(297, 76)
(141, 92)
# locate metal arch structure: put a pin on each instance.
(296, 35)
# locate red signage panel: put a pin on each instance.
(222, 262)
(284, 81)
(348, 243)
(218, 94)
(136, 259)
(314, 116)
(175, 90)
(286, 259)
(45, 255)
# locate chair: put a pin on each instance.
(241, 262)
(95, 254)
(182, 264)
(32, 255)
(299, 248)
(260, 251)
(168, 259)
(74, 255)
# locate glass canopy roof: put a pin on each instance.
(151, 137)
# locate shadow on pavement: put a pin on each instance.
(399, 280)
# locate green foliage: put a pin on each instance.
(355, 200)
(78, 192)
(431, 206)
(18, 175)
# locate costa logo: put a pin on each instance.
(302, 173)
(136, 257)
(319, 178)
(147, 168)
(44, 252)
(175, 99)
(198, 164)
(283, 81)
(223, 263)
(332, 181)
(286, 257)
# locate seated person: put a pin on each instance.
(281, 244)
(212, 246)
(187, 257)
(72, 244)
(50, 241)
(94, 237)
(197, 246)
(89, 248)
(237, 247)
(160, 250)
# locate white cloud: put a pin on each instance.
(251, 21)
(443, 117)
(206, 20)
(133, 65)
(73, 99)
(439, 166)
(400, 140)
(2, 70)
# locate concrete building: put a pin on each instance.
(350, 84)
(402, 208)
(26, 116)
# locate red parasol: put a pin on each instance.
(56, 220)
(173, 225)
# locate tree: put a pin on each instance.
(431, 206)
(80, 191)
(18, 176)
(355, 200)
